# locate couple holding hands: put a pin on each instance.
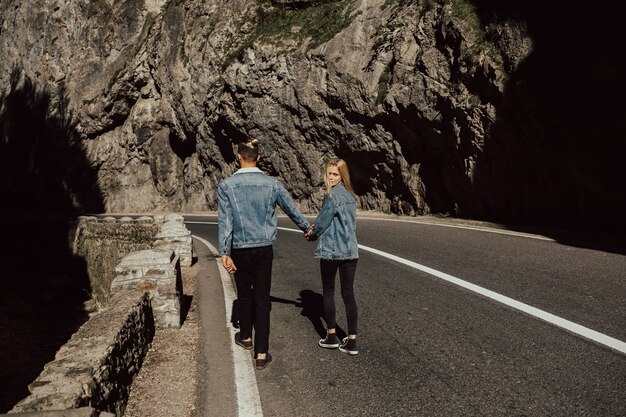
(247, 230)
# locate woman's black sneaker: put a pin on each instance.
(349, 346)
(263, 363)
(331, 341)
(246, 344)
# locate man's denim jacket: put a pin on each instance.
(336, 226)
(246, 204)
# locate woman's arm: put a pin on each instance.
(325, 218)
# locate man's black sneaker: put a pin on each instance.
(246, 344)
(263, 363)
(349, 346)
(331, 341)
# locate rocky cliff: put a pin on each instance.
(467, 107)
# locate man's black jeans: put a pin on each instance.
(347, 270)
(254, 282)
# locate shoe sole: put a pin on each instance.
(349, 352)
(243, 346)
(328, 346)
(267, 363)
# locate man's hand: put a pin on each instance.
(228, 264)
(307, 234)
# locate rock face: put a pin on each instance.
(473, 108)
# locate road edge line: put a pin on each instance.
(582, 331)
(570, 326)
(247, 390)
(585, 332)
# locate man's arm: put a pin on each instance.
(289, 207)
(225, 222)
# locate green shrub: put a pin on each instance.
(465, 11)
(319, 22)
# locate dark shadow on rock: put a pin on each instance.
(605, 241)
(554, 156)
(226, 135)
(46, 181)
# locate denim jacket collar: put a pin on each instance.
(247, 170)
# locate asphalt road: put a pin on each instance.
(431, 348)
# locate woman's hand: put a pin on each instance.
(307, 234)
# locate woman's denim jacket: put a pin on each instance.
(336, 226)
(246, 205)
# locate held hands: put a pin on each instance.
(307, 234)
(228, 264)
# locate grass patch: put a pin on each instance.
(465, 11)
(473, 100)
(442, 215)
(316, 24)
(319, 22)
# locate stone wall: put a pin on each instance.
(103, 242)
(76, 412)
(97, 365)
(94, 370)
(156, 272)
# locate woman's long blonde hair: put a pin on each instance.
(344, 173)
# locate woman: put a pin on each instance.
(337, 249)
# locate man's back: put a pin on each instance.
(247, 230)
(254, 194)
(247, 209)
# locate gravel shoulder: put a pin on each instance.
(167, 382)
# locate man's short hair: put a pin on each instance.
(249, 151)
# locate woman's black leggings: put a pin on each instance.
(347, 270)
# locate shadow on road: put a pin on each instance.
(312, 307)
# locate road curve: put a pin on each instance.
(431, 348)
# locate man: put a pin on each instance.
(247, 230)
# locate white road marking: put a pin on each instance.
(248, 399)
(454, 226)
(467, 227)
(575, 328)
(585, 332)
